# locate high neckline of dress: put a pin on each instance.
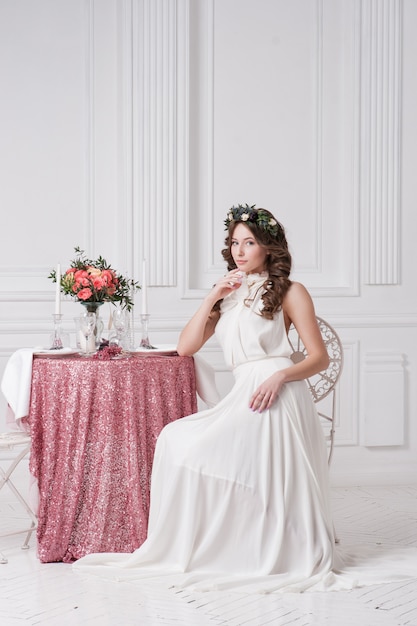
(255, 278)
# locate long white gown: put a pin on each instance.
(239, 499)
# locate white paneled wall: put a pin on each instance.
(130, 126)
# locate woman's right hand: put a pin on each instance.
(226, 284)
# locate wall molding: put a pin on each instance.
(370, 320)
(175, 321)
(383, 410)
(90, 161)
(344, 282)
(155, 90)
(381, 138)
(126, 163)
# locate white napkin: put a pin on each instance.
(15, 385)
(205, 382)
(16, 381)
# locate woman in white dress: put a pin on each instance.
(240, 494)
(240, 491)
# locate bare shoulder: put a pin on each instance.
(297, 305)
(296, 295)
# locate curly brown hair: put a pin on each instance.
(277, 264)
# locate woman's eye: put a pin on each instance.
(248, 243)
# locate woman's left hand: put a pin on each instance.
(266, 394)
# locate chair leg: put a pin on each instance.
(5, 478)
(336, 538)
(26, 545)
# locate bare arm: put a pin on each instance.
(203, 323)
(299, 310)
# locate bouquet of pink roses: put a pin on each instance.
(96, 281)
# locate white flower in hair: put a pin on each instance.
(245, 217)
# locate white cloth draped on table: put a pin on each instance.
(240, 500)
(15, 386)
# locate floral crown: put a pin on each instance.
(246, 213)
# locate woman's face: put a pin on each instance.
(248, 255)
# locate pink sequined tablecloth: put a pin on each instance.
(94, 424)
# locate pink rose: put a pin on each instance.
(82, 278)
(84, 294)
(108, 277)
(98, 283)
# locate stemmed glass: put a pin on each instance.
(87, 326)
(121, 323)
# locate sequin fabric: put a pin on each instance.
(94, 425)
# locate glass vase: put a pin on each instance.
(94, 307)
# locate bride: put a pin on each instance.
(240, 491)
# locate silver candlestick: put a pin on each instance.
(145, 343)
(56, 336)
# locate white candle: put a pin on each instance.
(58, 290)
(144, 289)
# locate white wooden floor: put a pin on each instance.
(32, 593)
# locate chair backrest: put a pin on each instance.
(323, 384)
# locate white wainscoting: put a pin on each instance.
(130, 126)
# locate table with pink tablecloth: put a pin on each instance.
(94, 425)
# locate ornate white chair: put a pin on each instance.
(9, 441)
(323, 384)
